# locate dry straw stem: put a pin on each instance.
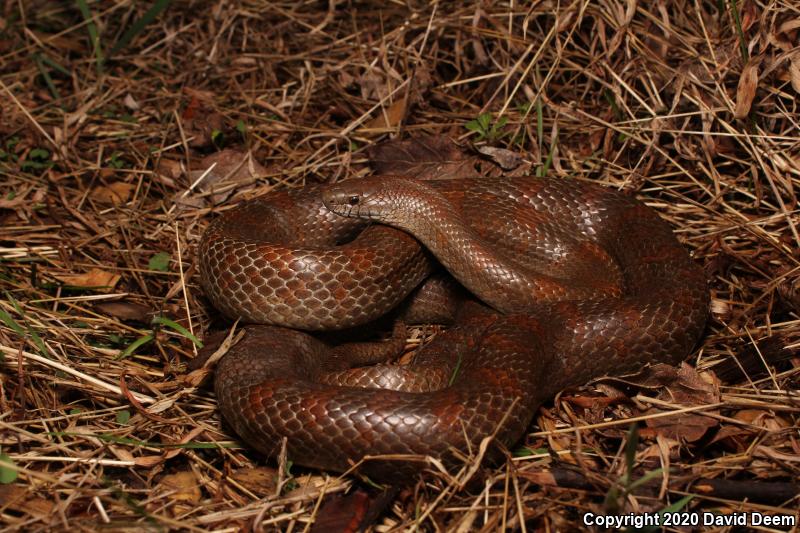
(690, 105)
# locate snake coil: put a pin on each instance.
(576, 280)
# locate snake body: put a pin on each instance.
(576, 281)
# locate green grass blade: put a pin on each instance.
(164, 321)
(46, 76)
(674, 508)
(105, 437)
(540, 123)
(645, 479)
(52, 64)
(740, 33)
(141, 341)
(94, 35)
(8, 470)
(630, 454)
(139, 25)
(549, 160)
(11, 323)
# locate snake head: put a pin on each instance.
(369, 198)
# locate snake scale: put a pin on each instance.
(574, 281)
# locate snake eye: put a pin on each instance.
(353, 200)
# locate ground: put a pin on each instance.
(128, 126)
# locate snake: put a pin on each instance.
(559, 281)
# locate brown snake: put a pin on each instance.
(577, 281)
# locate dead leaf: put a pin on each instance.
(687, 427)
(126, 310)
(749, 14)
(566, 18)
(216, 173)
(390, 117)
(373, 85)
(20, 499)
(352, 512)
(556, 442)
(422, 158)
(771, 453)
(592, 402)
(785, 36)
(734, 438)
(186, 200)
(794, 71)
(230, 166)
(96, 279)
(116, 193)
(183, 486)
(507, 159)
(746, 91)
(171, 169)
(763, 419)
(688, 389)
(131, 103)
(149, 461)
(653, 377)
(123, 454)
(260, 480)
(200, 120)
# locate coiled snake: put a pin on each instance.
(576, 280)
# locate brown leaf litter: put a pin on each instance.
(106, 163)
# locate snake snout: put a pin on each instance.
(340, 201)
(354, 202)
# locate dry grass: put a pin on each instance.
(99, 164)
